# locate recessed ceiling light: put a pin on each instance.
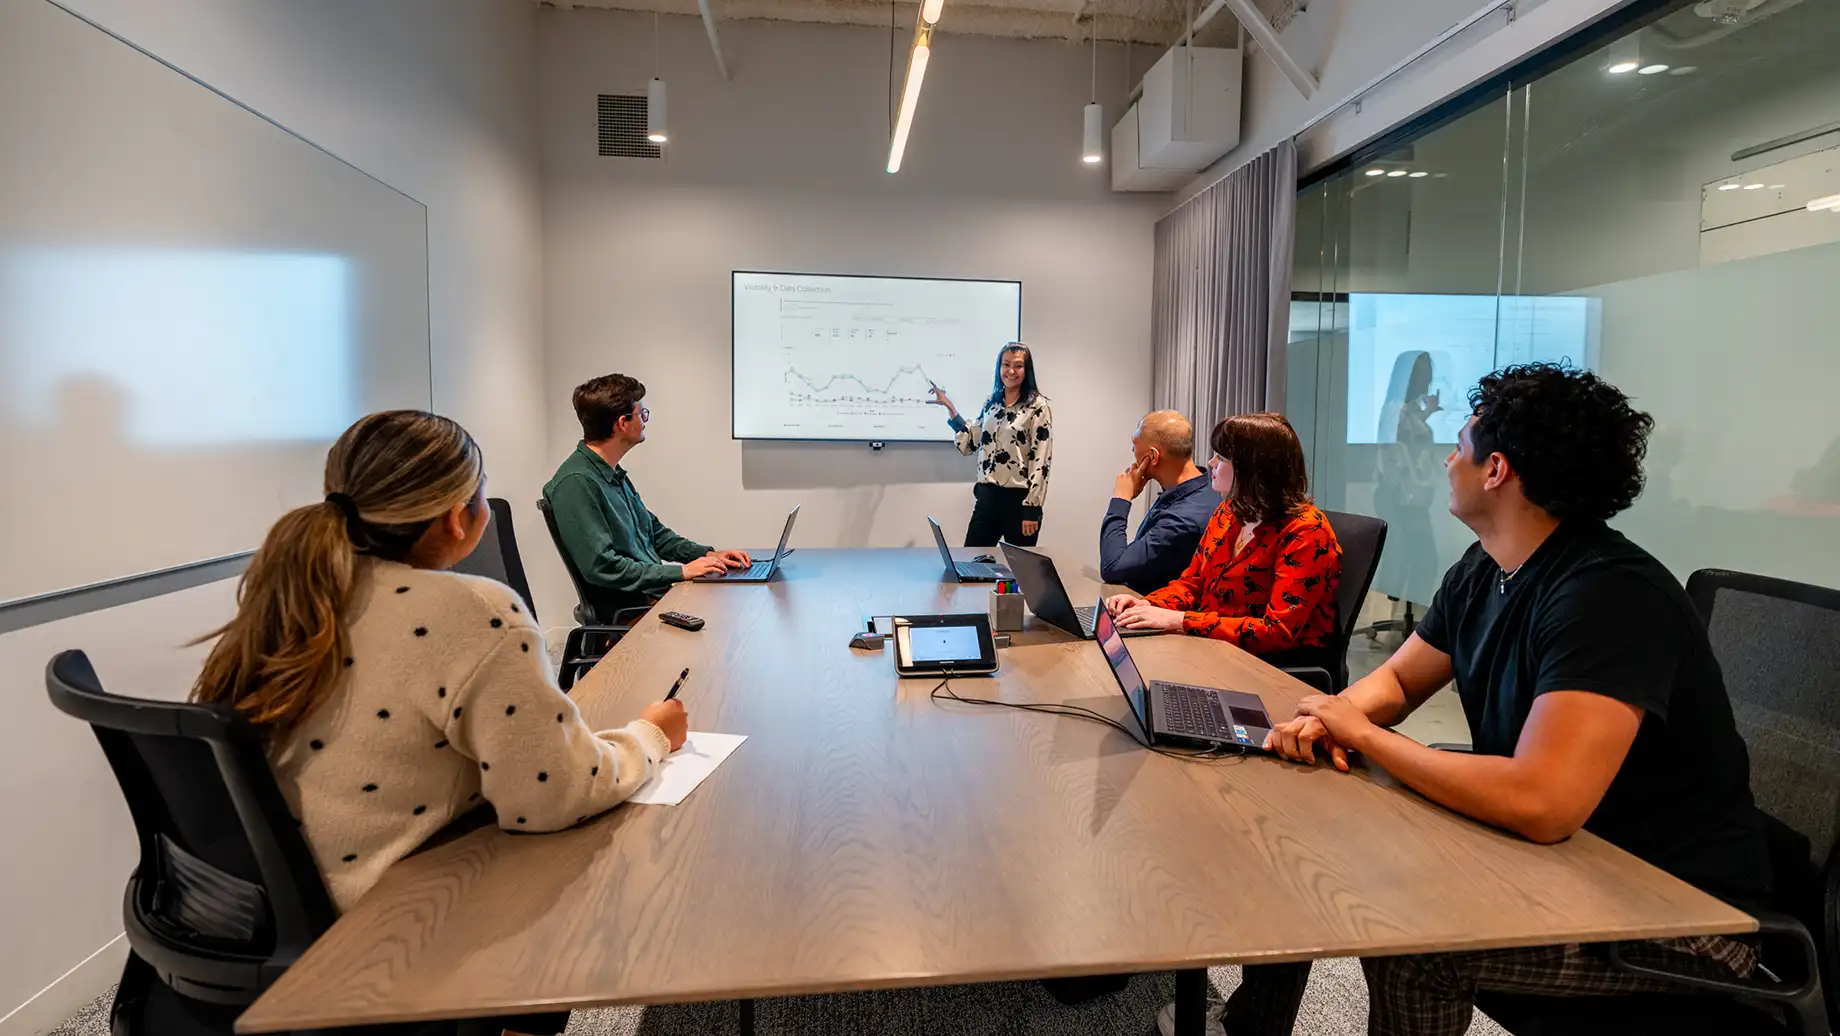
(1776, 187)
(1729, 186)
(1753, 187)
(1650, 70)
(1420, 176)
(1622, 68)
(1376, 172)
(1683, 70)
(1397, 172)
(1831, 203)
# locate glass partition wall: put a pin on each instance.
(1656, 210)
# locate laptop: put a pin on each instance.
(1047, 596)
(1177, 713)
(759, 571)
(966, 571)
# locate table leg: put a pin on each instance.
(1191, 1002)
(747, 1018)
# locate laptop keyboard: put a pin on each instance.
(1192, 712)
(758, 570)
(979, 570)
(1087, 616)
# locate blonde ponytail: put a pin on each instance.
(388, 478)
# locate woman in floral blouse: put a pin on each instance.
(1265, 574)
(1014, 435)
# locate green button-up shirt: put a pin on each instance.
(616, 544)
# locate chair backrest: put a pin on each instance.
(1362, 538)
(497, 555)
(227, 894)
(586, 614)
(1778, 646)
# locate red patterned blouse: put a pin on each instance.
(1276, 594)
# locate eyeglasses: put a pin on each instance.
(645, 414)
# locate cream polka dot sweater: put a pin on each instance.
(446, 698)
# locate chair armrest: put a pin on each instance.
(1769, 923)
(1315, 676)
(627, 618)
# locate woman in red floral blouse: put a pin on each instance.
(1265, 574)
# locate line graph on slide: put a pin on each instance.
(909, 386)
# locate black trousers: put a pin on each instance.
(998, 514)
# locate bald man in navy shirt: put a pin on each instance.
(1162, 450)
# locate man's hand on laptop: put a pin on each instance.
(734, 559)
(707, 565)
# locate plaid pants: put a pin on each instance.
(1435, 994)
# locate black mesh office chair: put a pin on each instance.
(1362, 538)
(1778, 645)
(598, 632)
(497, 555)
(226, 896)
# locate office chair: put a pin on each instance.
(497, 555)
(1778, 646)
(226, 896)
(1362, 539)
(597, 633)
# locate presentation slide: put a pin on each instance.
(851, 358)
(1405, 349)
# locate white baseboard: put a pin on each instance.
(57, 1002)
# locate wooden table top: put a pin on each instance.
(866, 836)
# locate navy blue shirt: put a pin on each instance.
(1166, 540)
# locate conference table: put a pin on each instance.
(868, 836)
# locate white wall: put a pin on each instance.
(436, 98)
(782, 169)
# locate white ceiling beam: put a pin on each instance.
(1267, 38)
(715, 41)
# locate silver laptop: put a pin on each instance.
(759, 571)
(1047, 595)
(966, 571)
(1181, 714)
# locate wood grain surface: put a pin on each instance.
(866, 836)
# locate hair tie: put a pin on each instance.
(354, 525)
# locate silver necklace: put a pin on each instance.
(1501, 583)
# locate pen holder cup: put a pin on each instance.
(1005, 612)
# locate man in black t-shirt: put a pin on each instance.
(1593, 697)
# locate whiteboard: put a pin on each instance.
(194, 303)
(853, 358)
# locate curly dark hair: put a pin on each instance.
(1572, 437)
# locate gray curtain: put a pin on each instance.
(1221, 296)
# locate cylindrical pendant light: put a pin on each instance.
(656, 127)
(1092, 146)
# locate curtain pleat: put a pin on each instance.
(1222, 286)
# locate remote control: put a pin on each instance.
(681, 621)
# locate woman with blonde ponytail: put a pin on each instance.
(393, 694)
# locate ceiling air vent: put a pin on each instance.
(622, 119)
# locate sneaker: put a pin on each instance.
(1166, 1020)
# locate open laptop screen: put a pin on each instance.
(1130, 681)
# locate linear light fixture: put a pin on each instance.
(916, 75)
(1831, 203)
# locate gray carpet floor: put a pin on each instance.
(1336, 1005)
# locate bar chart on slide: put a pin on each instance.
(856, 358)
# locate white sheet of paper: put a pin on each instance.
(685, 768)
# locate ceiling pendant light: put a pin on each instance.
(916, 75)
(656, 126)
(1092, 148)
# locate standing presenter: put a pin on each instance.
(1014, 440)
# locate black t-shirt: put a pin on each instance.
(1591, 611)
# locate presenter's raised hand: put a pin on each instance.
(941, 399)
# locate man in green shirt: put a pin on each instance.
(626, 556)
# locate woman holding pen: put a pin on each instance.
(1014, 438)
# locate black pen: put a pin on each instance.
(681, 677)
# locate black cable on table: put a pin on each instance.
(1223, 753)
